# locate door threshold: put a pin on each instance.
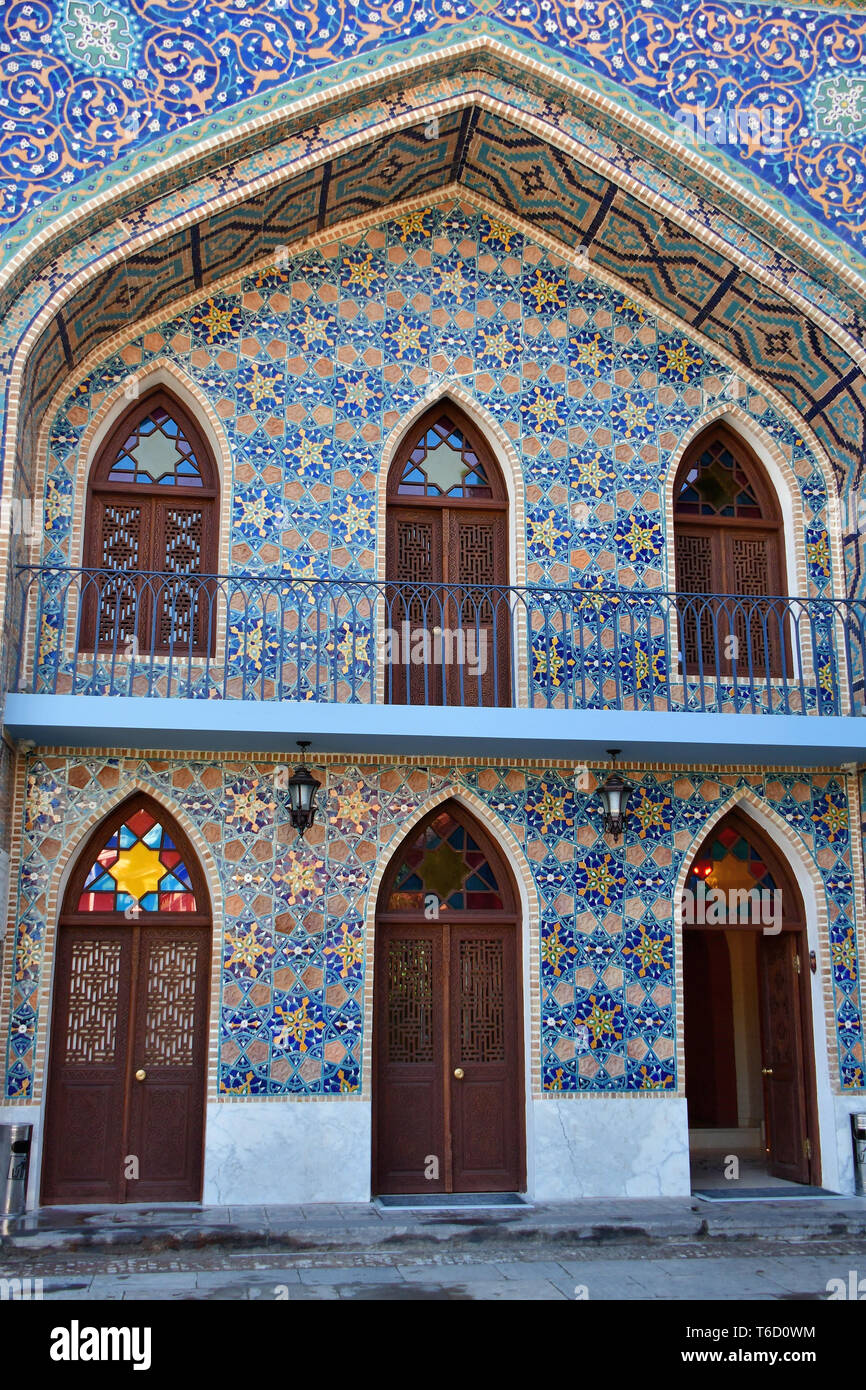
(439, 1201)
(794, 1193)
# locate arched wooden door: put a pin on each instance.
(738, 859)
(447, 1041)
(447, 606)
(151, 535)
(730, 548)
(128, 1054)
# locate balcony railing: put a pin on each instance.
(261, 637)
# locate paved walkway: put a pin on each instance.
(369, 1227)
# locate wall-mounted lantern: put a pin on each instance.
(302, 787)
(615, 793)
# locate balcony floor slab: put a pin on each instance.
(136, 723)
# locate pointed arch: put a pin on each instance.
(448, 994)
(781, 477)
(131, 1014)
(452, 394)
(729, 551)
(800, 862)
(746, 845)
(165, 374)
(152, 518)
(446, 552)
(138, 859)
(526, 895)
(63, 869)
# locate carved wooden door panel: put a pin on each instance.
(485, 1118)
(410, 1059)
(783, 1065)
(480, 620)
(415, 605)
(169, 1045)
(734, 564)
(84, 1125)
(447, 1059)
(127, 999)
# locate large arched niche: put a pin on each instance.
(782, 479)
(787, 846)
(527, 899)
(64, 867)
(161, 374)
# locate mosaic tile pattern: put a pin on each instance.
(734, 304)
(311, 363)
(85, 85)
(293, 939)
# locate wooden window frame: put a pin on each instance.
(152, 496)
(721, 531)
(446, 513)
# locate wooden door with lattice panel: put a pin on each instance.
(169, 1043)
(447, 1038)
(729, 544)
(477, 565)
(485, 1036)
(84, 1130)
(783, 1070)
(415, 604)
(126, 1086)
(447, 566)
(410, 1057)
(151, 536)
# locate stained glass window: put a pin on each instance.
(443, 464)
(717, 485)
(444, 860)
(156, 451)
(730, 862)
(139, 867)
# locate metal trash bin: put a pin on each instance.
(858, 1135)
(14, 1166)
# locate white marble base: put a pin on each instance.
(837, 1161)
(285, 1151)
(28, 1115)
(605, 1146)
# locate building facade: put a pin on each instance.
(443, 422)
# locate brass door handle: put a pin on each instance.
(766, 1071)
(458, 1072)
(140, 1074)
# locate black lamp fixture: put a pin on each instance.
(615, 792)
(302, 794)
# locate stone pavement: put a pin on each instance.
(367, 1226)
(663, 1249)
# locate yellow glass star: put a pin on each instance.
(138, 871)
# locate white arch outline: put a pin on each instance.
(784, 481)
(62, 869)
(799, 860)
(530, 952)
(509, 462)
(161, 372)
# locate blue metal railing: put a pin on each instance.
(356, 640)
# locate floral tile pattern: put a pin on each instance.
(293, 935)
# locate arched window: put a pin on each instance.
(729, 544)
(447, 555)
(446, 860)
(151, 534)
